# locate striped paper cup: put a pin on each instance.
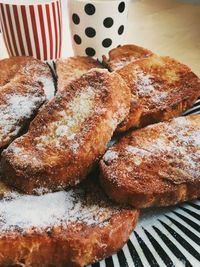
(32, 28)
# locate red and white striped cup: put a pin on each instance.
(32, 28)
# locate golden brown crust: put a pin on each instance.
(155, 166)
(123, 55)
(10, 67)
(161, 88)
(27, 68)
(24, 83)
(70, 244)
(69, 134)
(72, 68)
(19, 103)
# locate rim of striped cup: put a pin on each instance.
(28, 2)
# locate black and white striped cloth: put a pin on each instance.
(195, 109)
(164, 236)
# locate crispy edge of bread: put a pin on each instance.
(171, 196)
(121, 56)
(71, 68)
(76, 245)
(164, 193)
(137, 118)
(69, 168)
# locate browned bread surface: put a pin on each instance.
(21, 95)
(72, 68)
(28, 68)
(10, 67)
(71, 229)
(155, 166)
(123, 55)
(161, 88)
(69, 135)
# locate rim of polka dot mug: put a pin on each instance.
(97, 26)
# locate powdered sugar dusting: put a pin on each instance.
(24, 155)
(21, 105)
(145, 85)
(120, 63)
(62, 130)
(70, 120)
(29, 85)
(48, 86)
(132, 150)
(173, 149)
(40, 72)
(110, 155)
(17, 108)
(146, 88)
(138, 153)
(74, 146)
(24, 212)
(119, 115)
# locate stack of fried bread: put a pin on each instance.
(66, 198)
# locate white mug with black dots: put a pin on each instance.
(97, 26)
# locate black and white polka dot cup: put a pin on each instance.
(97, 26)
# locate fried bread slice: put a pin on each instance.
(123, 55)
(25, 84)
(155, 166)
(69, 134)
(161, 87)
(71, 229)
(27, 68)
(20, 100)
(72, 68)
(10, 67)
